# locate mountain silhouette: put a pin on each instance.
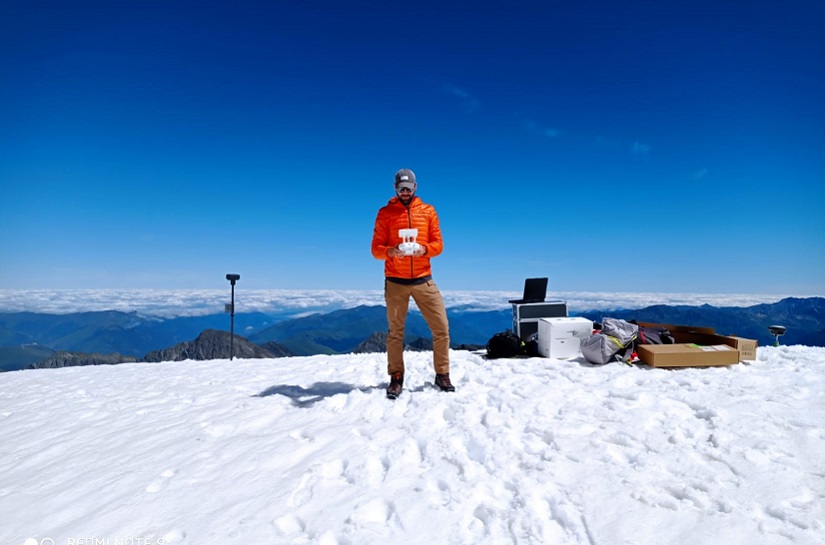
(210, 345)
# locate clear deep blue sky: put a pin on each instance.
(618, 146)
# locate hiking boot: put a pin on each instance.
(443, 381)
(396, 384)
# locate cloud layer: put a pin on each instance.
(170, 303)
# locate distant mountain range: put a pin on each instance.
(211, 345)
(46, 340)
(804, 318)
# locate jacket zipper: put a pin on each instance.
(409, 224)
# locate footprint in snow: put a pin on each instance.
(303, 492)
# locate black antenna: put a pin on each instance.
(777, 331)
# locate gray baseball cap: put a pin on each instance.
(405, 178)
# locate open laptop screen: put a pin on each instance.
(535, 290)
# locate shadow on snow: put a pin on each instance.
(307, 397)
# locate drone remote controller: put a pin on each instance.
(409, 246)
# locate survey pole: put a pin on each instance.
(231, 308)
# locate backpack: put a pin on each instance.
(530, 347)
(505, 344)
(612, 343)
(654, 335)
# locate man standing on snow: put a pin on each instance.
(408, 274)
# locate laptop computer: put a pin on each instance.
(535, 290)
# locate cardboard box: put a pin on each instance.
(687, 355)
(746, 347)
(562, 337)
(696, 347)
(526, 316)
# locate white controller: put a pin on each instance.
(409, 246)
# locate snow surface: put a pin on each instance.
(309, 450)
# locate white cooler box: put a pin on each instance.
(562, 337)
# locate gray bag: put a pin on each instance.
(611, 343)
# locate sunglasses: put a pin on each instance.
(404, 190)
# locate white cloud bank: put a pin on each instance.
(169, 303)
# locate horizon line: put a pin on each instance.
(166, 302)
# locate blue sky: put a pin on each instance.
(625, 146)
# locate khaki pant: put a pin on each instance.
(429, 301)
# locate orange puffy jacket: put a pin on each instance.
(396, 216)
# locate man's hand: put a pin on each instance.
(396, 252)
